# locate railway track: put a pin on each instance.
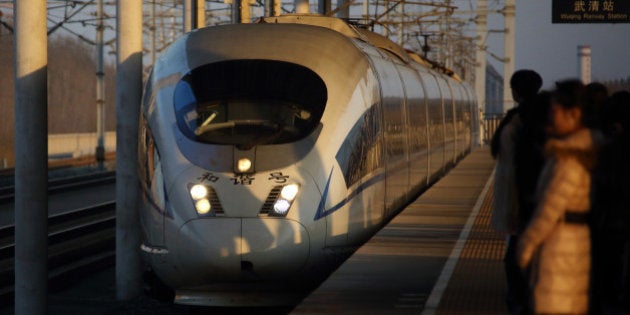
(7, 193)
(79, 242)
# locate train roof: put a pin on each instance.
(342, 27)
(362, 34)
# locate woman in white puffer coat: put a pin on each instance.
(556, 243)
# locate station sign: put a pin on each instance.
(590, 11)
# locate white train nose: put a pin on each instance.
(241, 248)
(273, 247)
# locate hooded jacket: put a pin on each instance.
(554, 246)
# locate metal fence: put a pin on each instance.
(490, 125)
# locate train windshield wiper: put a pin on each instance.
(233, 123)
(200, 130)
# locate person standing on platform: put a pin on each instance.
(555, 246)
(507, 140)
(610, 215)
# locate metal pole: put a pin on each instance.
(31, 154)
(188, 15)
(100, 88)
(401, 27)
(386, 18)
(245, 12)
(323, 6)
(366, 11)
(236, 11)
(128, 95)
(480, 61)
(301, 6)
(508, 66)
(200, 16)
(152, 32)
(345, 12)
(268, 8)
(448, 58)
(277, 7)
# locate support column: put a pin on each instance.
(508, 66)
(200, 15)
(301, 6)
(245, 12)
(188, 15)
(400, 9)
(480, 62)
(268, 8)
(128, 96)
(100, 85)
(236, 11)
(323, 6)
(31, 157)
(277, 7)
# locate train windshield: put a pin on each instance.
(249, 102)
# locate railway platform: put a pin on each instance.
(438, 256)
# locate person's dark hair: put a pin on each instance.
(569, 93)
(541, 110)
(617, 113)
(595, 97)
(526, 83)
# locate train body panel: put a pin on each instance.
(270, 152)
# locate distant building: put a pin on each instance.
(494, 92)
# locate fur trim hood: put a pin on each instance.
(582, 145)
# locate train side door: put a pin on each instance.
(395, 135)
(447, 116)
(417, 132)
(435, 121)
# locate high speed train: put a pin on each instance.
(270, 152)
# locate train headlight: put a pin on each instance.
(205, 200)
(290, 191)
(244, 165)
(281, 207)
(198, 192)
(203, 206)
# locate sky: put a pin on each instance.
(551, 49)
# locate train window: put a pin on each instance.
(249, 102)
(361, 152)
(149, 160)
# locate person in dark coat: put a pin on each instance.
(515, 133)
(610, 222)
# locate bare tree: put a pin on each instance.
(71, 90)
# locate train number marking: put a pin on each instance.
(208, 177)
(243, 179)
(278, 177)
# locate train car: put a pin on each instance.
(270, 152)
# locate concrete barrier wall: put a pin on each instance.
(78, 144)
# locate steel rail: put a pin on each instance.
(7, 193)
(79, 242)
